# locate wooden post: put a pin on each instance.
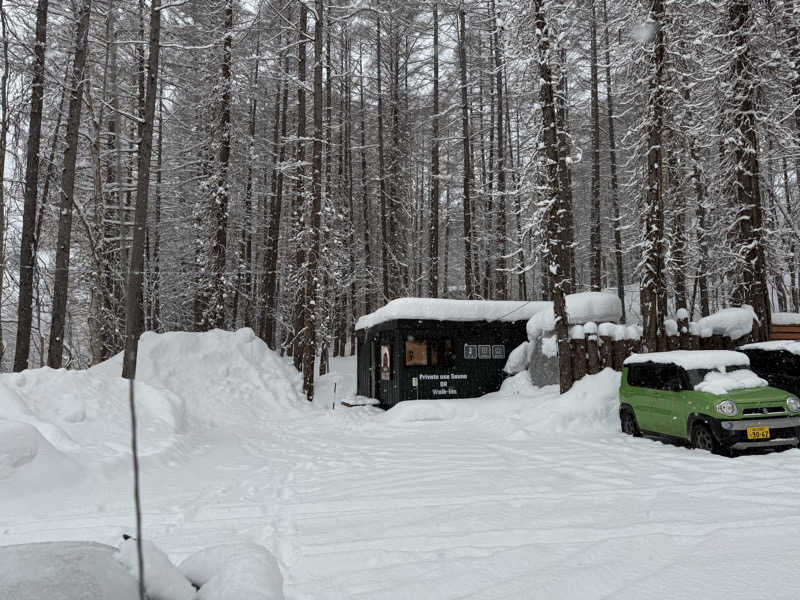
(578, 345)
(592, 350)
(683, 332)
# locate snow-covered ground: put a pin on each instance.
(521, 494)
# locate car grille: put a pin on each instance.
(767, 410)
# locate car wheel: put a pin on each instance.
(628, 423)
(703, 439)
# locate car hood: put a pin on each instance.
(752, 397)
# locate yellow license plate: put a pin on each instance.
(758, 433)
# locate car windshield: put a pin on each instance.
(697, 376)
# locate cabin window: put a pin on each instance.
(416, 353)
(442, 353)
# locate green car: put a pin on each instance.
(709, 398)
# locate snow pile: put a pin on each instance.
(162, 579)
(234, 571)
(733, 323)
(223, 378)
(792, 346)
(720, 384)
(590, 406)
(64, 571)
(693, 359)
(28, 461)
(87, 412)
(517, 359)
(442, 309)
(581, 308)
(785, 318)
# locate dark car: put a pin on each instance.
(778, 362)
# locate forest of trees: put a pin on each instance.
(290, 165)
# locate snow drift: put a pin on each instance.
(52, 421)
(590, 406)
(222, 377)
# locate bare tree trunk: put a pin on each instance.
(60, 286)
(156, 300)
(653, 312)
(753, 289)
(313, 259)
(433, 273)
(595, 248)
(501, 284)
(3, 136)
(215, 316)
(557, 242)
(369, 290)
(300, 193)
(268, 317)
(612, 153)
(382, 176)
(134, 324)
(27, 258)
(467, 152)
(244, 276)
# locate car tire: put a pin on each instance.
(628, 423)
(703, 439)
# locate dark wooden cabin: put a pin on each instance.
(416, 348)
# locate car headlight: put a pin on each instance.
(793, 403)
(727, 408)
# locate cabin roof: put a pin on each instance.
(442, 309)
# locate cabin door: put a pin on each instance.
(384, 370)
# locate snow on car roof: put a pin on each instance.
(792, 346)
(692, 359)
(443, 309)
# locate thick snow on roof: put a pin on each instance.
(785, 318)
(729, 322)
(583, 307)
(692, 359)
(792, 346)
(442, 309)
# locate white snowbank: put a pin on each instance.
(223, 378)
(720, 384)
(591, 405)
(234, 571)
(517, 359)
(88, 411)
(162, 579)
(692, 359)
(442, 309)
(585, 306)
(29, 462)
(729, 322)
(785, 318)
(64, 571)
(792, 346)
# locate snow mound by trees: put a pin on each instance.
(53, 421)
(222, 377)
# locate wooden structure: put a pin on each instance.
(414, 349)
(785, 331)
